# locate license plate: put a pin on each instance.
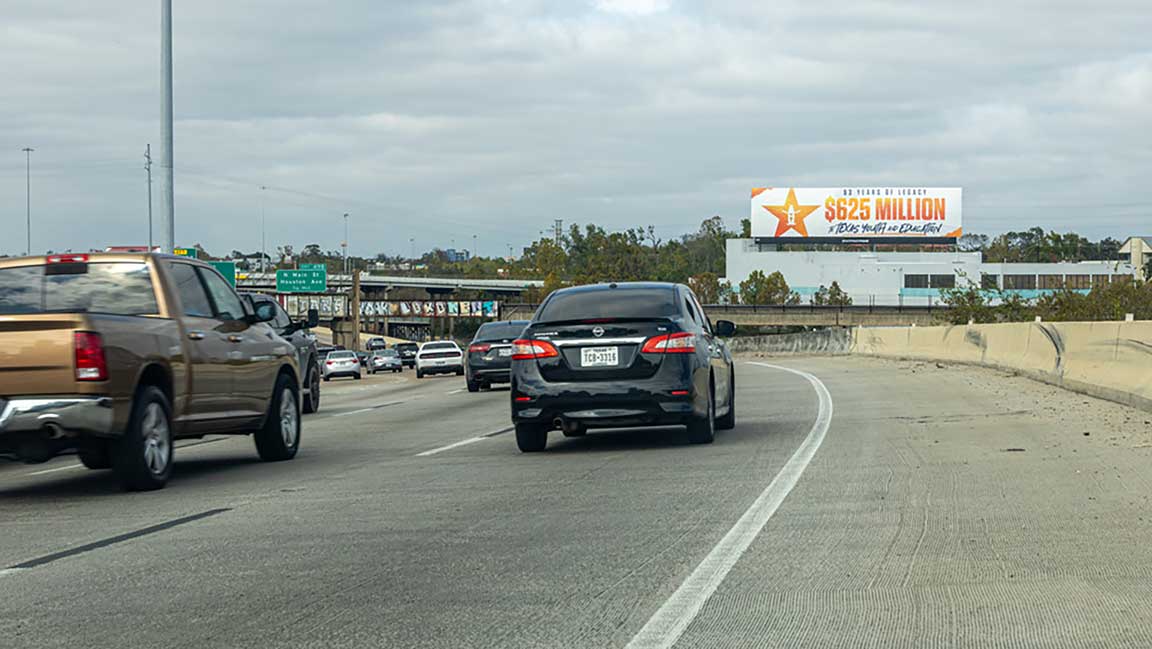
(599, 357)
(507, 351)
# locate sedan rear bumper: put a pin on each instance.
(605, 405)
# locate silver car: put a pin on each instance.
(385, 360)
(342, 363)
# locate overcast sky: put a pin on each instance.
(442, 120)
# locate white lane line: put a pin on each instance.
(455, 391)
(59, 468)
(665, 626)
(464, 442)
(352, 412)
(10, 571)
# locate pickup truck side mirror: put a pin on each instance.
(264, 312)
(724, 328)
(313, 318)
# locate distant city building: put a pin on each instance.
(912, 278)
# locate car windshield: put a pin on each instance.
(118, 288)
(386, 353)
(342, 355)
(622, 302)
(432, 346)
(500, 331)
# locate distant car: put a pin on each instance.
(385, 360)
(326, 349)
(489, 357)
(363, 358)
(375, 344)
(440, 357)
(341, 363)
(407, 353)
(307, 353)
(620, 355)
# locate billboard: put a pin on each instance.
(856, 214)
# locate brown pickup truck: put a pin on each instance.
(118, 355)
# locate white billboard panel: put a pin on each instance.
(830, 214)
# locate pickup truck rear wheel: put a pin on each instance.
(312, 400)
(142, 456)
(279, 439)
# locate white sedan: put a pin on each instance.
(440, 357)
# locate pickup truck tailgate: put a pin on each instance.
(36, 354)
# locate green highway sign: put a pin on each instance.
(323, 267)
(227, 269)
(301, 281)
(185, 252)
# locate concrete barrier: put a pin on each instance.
(824, 341)
(1111, 360)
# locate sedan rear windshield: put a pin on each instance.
(385, 352)
(431, 346)
(117, 288)
(342, 355)
(500, 331)
(620, 303)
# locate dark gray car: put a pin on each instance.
(296, 332)
(489, 357)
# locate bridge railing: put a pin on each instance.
(870, 306)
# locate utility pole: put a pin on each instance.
(148, 168)
(558, 227)
(473, 246)
(28, 195)
(167, 200)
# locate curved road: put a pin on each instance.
(916, 506)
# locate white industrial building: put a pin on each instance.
(914, 278)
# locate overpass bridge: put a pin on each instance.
(806, 315)
(381, 284)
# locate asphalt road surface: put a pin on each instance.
(856, 504)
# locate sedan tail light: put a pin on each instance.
(529, 349)
(89, 353)
(677, 343)
(479, 347)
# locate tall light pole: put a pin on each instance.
(345, 244)
(167, 199)
(263, 230)
(473, 246)
(412, 246)
(28, 195)
(148, 168)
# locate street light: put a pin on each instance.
(263, 229)
(473, 245)
(345, 244)
(28, 194)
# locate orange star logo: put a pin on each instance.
(791, 214)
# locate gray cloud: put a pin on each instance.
(438, 121)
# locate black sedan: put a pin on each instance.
(621, 355)
(489, 358)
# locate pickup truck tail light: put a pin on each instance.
(678, 343)
(523, 350)
(89, 353)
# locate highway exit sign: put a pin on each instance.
(301, 281)
(323, 267)
(227, 269)
(185, 252)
